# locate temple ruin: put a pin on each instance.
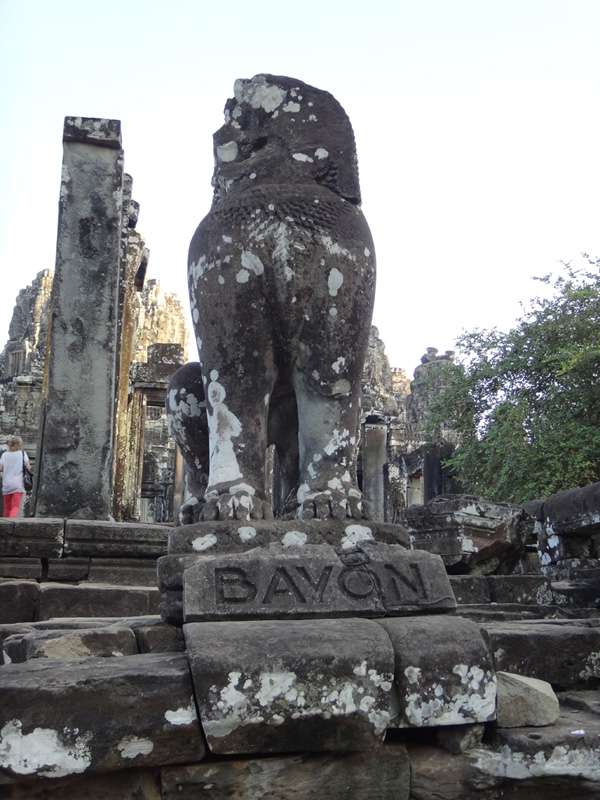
(368, 632)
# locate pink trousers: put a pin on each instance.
(12, 503)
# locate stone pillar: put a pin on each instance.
(374, 457)
(75, 459)
(134, 261)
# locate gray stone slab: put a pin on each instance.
(493, 774)
(33, 538)
(11, 630)
(565, 653)
(524, 701)
(575, 594)
(574, 512)
(522, 589)
(170, 570)
(19, 601)
(316, 581)
(21, 568)
(569, 747)
(469, 532)
(66, 716)
(114, 539)
(444, 673)
(382, 774)
(470, 589)
(302, 685)
(141, 784)
(93, 601)
(160, 639)
(123, 571)
(77, 643)
(171, 606)
(236, 536)
(68, 569)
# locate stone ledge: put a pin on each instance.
(233, 536)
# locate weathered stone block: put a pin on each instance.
(114, 539)
(315, 581)
(382, 774)
(170, 570)
(33, 538)
(565, 653)
(460, 738)
(573, 512)
(123, 571)
(68, 569)
(21, 568)
(61, 717)
(575, 594)
(276, 687)
(570, 748)
(171, 607)
(94, 601)
(160, 639)
(141, 784)
(100, 643)
(18, 601)
(470, 589)
(7, 631)
(523, 589)
(525, 701)
(469, 532)
(444, 673)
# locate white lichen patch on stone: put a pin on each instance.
(223, 427)
(413, 674)
(274, 684)
(321, 153)
(133, 746)
(553, 541)
(242, 276)
(580, 761)
(302, 157)
(431, 702)
(294, 539)
(205, 542)
(246, 533)
(334, 281)
(44, 751)
(227, 152)
(338, 439)
(291, 107)
(338, 364)
(335, 249)
(591, 668)
(182, 716)
(267, 97)
(354, 534)
(272, 697)
(252, 262)
(467, 545)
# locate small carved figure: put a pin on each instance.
(282, 280)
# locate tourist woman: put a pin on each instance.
(11, 466)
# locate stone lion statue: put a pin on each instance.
(282, 278)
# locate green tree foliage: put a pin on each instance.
(526, 404)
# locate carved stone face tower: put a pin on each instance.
(282, 280)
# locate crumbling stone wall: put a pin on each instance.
(158, 317)
(397, 469)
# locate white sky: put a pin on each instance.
(477, 125)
